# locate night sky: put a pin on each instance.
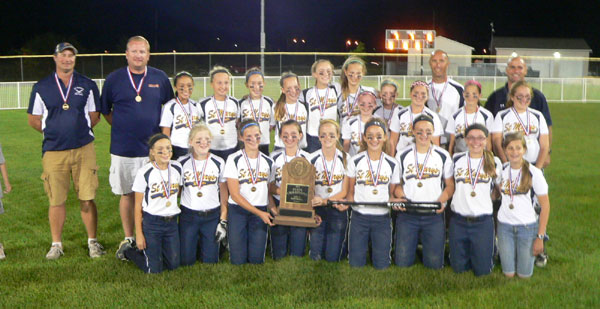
(94, 26)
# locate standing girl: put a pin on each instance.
(389, 107)
(289, 108)
(402, 124)
(372, 177)
(248, 172)
(352, 129)
(258, 107)
(353, 70)
(7, 189)
(467, 115)
(331, 183)
(286, 237)
(220, 112)
(203, 219)
(156, 187)
(426, 172)
(471, 230)
(321, 101)
(179, 115)
(520, 235)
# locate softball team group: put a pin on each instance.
(210, 178)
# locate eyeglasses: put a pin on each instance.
(521, 98)
(476, 138)
(423, 133)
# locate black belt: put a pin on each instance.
(472, 219)
(202, 213)
(162, 218)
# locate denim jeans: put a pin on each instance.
(471, 244)
(162, 245)
(515, 245)
(197, 231)
(247, 235)
(312, 143)
(430, 229)
(374, 228)
(327, 240)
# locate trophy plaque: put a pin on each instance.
(297, 192)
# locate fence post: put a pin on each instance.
(209, 62)
(584, 90)
(562, 89)
(383, 65)
(204, 79)
(174, 63)
(102, 67)
(246, 63)
(18, 95)
(279, 64)
(541, 85)
(404, 87)
(22, 74)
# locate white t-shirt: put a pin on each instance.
(358, 168)
(386, 114)
(279, 160)
(402, 124)
(353, 130)
(344, 105)
(315, 100)
(445, 99)
(507, 122)
(266, 115)
(208, 177)
(462, 202)
(336, 176)
(180, 121)
(152, 182)
(456, 125)
(211, 115)
(237, 168)
(523, 211)
(298, 112)
(437, 168)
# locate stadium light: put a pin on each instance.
(556, 55)
(348, 43)
(409, 39)
(295, 40)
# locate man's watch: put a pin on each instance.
(543, 237)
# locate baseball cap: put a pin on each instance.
(64, 45)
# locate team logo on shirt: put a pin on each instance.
(78, 91)
(505, 187)
(321, 179)
(301, 119)
(190, 181)
(459, 130)
(213, 117)
(462, 175)
(364, 178)
(247, 114)
(517, 127)
(314, 103)
(428, 172)
(181, 121)
(245, 177)
(156, 190)
(406, 129)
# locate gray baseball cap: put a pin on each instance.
(64, 45)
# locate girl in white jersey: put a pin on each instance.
(203, 219)
(520, 234)
(426, 176)
(351, 75)
(467, 115)
(373, 177)
(353, 127)
(220, 113)
(284, 238)
(180, 114)
(289, 107)
(471, 231)
(321, 101)
(156, 187)
(258, 107)
(518, 117)
(388, 108)
(331, 183)
(402, 123)
(248, 172)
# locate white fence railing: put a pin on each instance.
(15, 95)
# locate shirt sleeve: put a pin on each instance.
(346, 130)
(351, 169)
(438, 128)
(543, 125)
(450, 126)
(35, 102)
(449, 167)
(140, 184)
(498, 179)
(166, 118)
(395, 122)
(395, 173)
(106, 104)
(540, 186)
(230, 168)
(94, 98)
(497, 126)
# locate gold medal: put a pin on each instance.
(199, 194)
(419, 184)
(511, 206)
(65, 106)
(168, 203)
(138, 98)
(473, 193)
(375, 191)
(329, 190)
(253, 189)
(222, 131)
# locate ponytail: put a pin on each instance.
(489, 165)
(525, 184)
(280, 105)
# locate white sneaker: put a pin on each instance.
(55, 252)
(2, 255)
(96, 249)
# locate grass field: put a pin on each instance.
(27, 279)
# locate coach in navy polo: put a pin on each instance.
(516, 70)
(64, 108)
(132, 99)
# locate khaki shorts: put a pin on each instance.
(123, 171)
(78, 164)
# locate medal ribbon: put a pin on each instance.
(256, 118)
(421, 170)
(287, 112)
(473, 181)
(253, 176)
(438, 100)
(526, 129)
(349, 106)
(388, 119)
(375, 179)
(162, 182)
(199, 182)
(188, 114)
(512, 190)
(474, 117)
(62, 94)
(322, 106)
(220, 116)
(328, 174)
(137, 89)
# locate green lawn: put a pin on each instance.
(27, 279)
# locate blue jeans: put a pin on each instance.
(223, 154)
(287, 237)
(374, 228)
(471, 244)
(312, 143)
(247, 235)
(431, 230)
(515, 245)
(327, 239)
(162, 245)
(197, 230)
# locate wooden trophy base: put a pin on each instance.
(295, 221)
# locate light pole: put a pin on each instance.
(263, 37)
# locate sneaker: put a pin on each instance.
(541, 260)
(123, 246)
(2, 256)
(96, 250)
(55, 252)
